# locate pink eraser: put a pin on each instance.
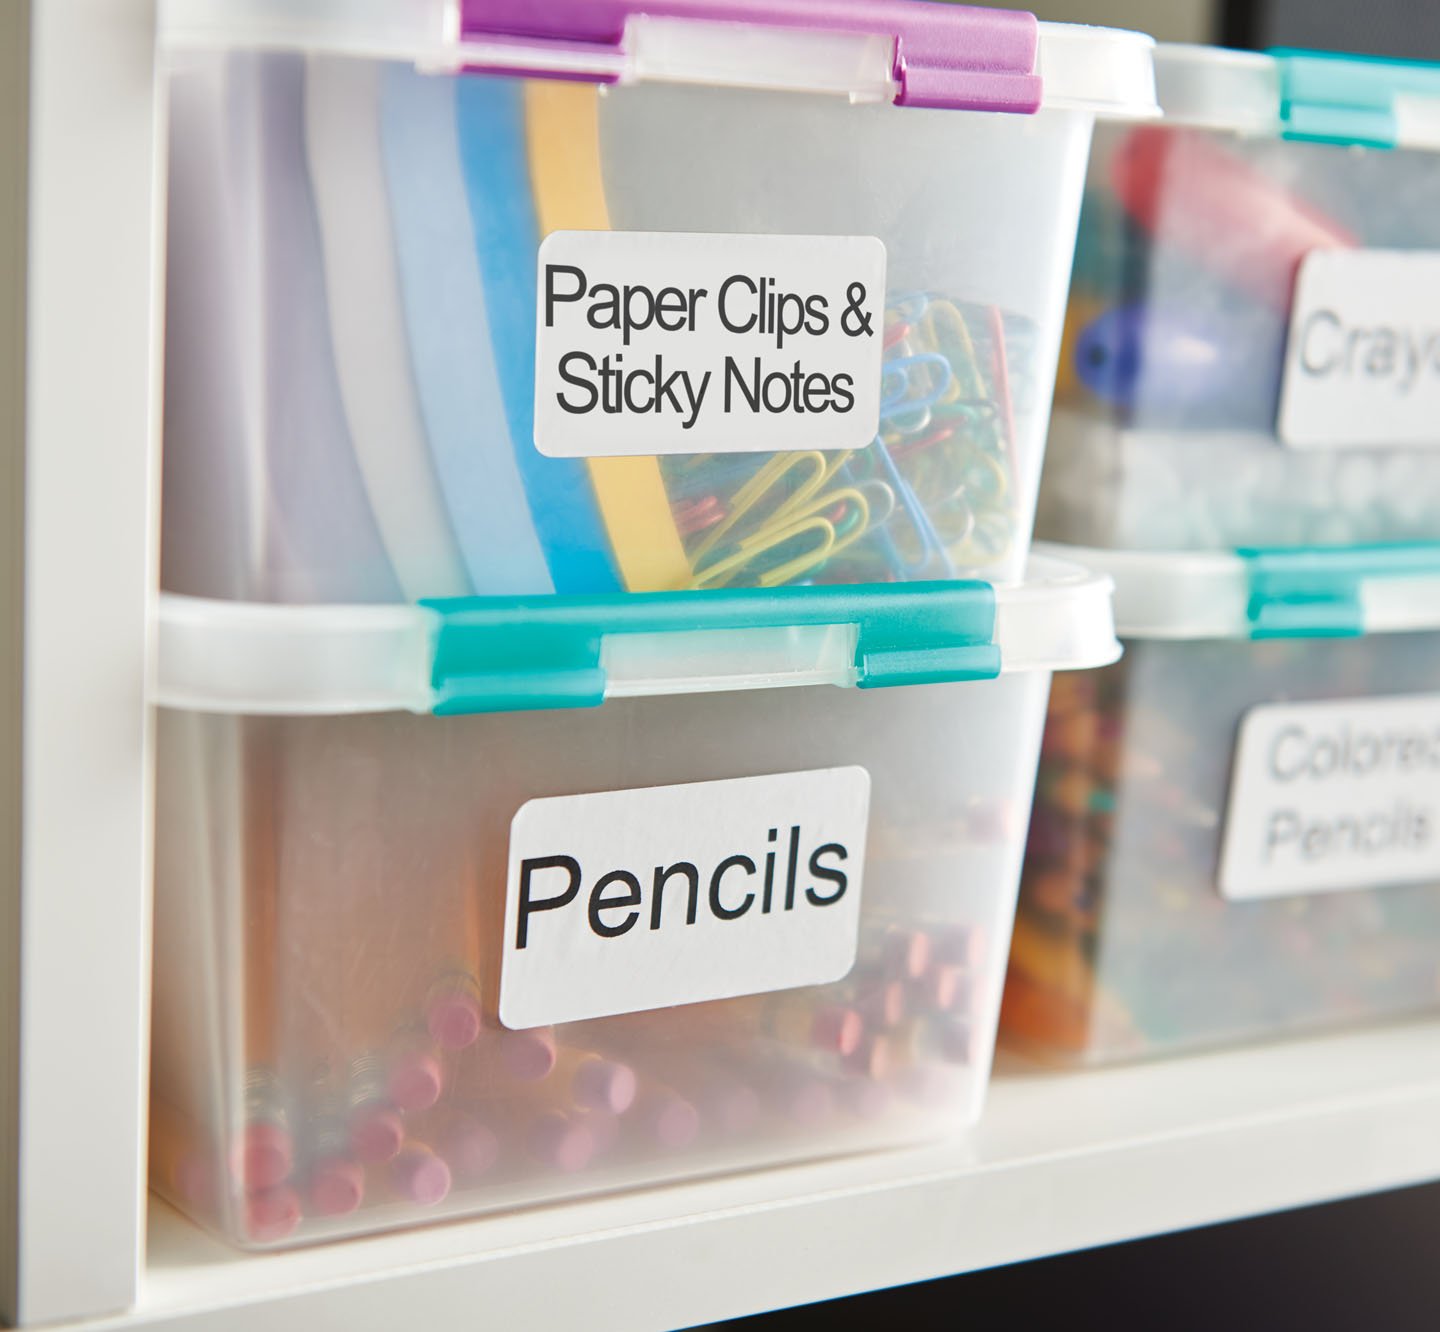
(472, 1148)
(604, 1084)
(376, 1133)
(943, 986)
(415, 1079)
(420, 1175)
(528, 1056)
(561, 1141)
(272, 1214)
(336, 1187)
(454, 1020)
(907, 954)
(883, 1003)
(836, 1029)
(267, 1155)
(672, 1120)
(872, 1059)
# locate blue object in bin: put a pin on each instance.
(450, 337)
(491, 129)
(1186, 366)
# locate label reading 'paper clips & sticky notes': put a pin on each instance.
(669, 343)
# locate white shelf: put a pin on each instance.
(1061, 1162)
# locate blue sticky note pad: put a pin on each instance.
(491, 129)
(451, 339)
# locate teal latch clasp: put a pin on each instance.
(505, 654)
(1332, 98)
(1318, 592)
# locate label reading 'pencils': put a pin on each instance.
(673, 342)
(1335, 795)
(1362, 367)
(623, 901)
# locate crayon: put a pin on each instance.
(1195, 195)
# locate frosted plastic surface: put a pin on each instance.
(1169, 382)
(339, 425)
(323, 881)
(1123, 946)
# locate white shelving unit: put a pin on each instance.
(1062, 1161)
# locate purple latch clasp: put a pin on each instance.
(953, 56)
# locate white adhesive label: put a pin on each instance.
(622, 901)
(1327, 796)
(674, 342)
(1362, 366)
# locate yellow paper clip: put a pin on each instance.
(797, 516)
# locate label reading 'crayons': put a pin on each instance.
(1327, 796)
(665, 343)
(1362, 365)
(622, 901)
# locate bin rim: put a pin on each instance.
(1343, 591)
(272, 659)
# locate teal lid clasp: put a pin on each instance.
(1331, 98)
(505, 654)
(1319, 592)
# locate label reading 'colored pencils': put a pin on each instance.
(1334, 795)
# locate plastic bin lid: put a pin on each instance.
(1278, 592)
(508, 653)
(1318, 96)
(912, 52)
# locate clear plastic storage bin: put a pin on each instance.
(1250, 351)
(1236, 831)
(505, 298)
(410, 965)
